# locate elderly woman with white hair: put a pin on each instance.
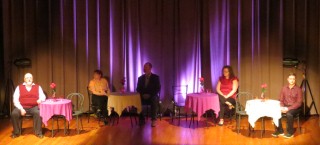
(26, 98)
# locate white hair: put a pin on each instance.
(28, 75)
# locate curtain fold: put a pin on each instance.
(183, 39)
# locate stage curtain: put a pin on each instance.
(183, 39)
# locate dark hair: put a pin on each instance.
(292, 74)
(229, 69)
(99, 72)
(148, 63)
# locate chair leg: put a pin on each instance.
(179, 115)
(78, 124)
(81, 123)
(191, 119)
(131, 120)
(299, 124)
(238, 123)
(173, 114)
(206, 119)
(88, 116)
(20, 131)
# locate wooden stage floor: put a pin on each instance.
(166, 133)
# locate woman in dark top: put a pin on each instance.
(226, 89)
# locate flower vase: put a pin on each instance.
(263, 98)
(54, 96)
(122, 90)
(201, 89)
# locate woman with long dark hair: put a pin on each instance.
(227, 88)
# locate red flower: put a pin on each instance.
(201, 79)
(264, 85)
(52, 85)
(123, 81)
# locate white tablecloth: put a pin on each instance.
(257, 108)
(120, 101)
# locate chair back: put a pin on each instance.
(241, 100)
(77, 101)
(179, 93)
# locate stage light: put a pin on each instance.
(22, 62)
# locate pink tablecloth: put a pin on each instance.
(201, 102)
(52, 107)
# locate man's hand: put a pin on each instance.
(284, 109)
(38, 101)
(23, 112)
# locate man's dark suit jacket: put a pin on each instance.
(153, 87)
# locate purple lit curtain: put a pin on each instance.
(183, 39)
(161, 34)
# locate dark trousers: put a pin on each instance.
(100, 102)
(290, 118)
(224, 106)
(37, 120)
(153, 102)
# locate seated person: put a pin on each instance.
(226, 88)
(149, 87)
(98, 86)
(26, 98)
(291, 104)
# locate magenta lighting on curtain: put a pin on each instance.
(219, 38)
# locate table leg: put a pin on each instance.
(52, 127)
(65, 131)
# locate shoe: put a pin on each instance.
(288, 135)
(141, 122)
(276, 134)
(14, 135)
(105, 122)
(40, 136)
(153, 123)
(220, 123)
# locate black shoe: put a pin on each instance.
(40, 136)
(14, 135)
(276, 134)
(105, 122)
(288, 136)
(141, 122)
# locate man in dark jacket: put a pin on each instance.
(149, 87)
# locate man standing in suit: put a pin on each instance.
(149, 88)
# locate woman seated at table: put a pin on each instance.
(99, 89)
(226, 89)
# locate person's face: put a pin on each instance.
(28, 79)
(291, 80)
(226, 72)
(96, 76)
(146, 69)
